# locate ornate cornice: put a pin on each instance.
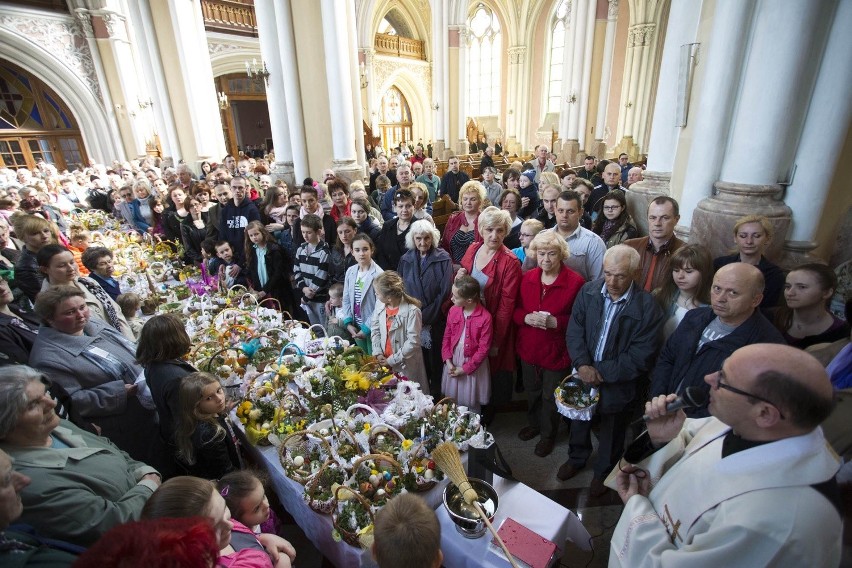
(640, 34)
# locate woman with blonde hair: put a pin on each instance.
(36, 232)
(752, 236)
(462, 229)
(499, 275)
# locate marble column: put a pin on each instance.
(292, 94)
(439, 66)
(760, 152)
(514, 135)
(710, 117)
(599, 147)
(192, 95)
(574, 90)
(636, 70)
(275, 99)
(826, 126)
(462, 146)
(564, 101)
(665, 134)
(585, 84)
(337, 65)
(355, 81)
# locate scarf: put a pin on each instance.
(104, 299)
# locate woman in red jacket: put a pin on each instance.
(461, 230)
(541, 314)
(498, 272)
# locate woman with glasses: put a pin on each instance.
(510, 201)
(615, 225)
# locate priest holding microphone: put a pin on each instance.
(752, 485)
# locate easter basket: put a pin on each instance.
(574, 401)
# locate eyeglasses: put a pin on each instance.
(611, 207)
(720, 385)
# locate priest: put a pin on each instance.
(752, 485)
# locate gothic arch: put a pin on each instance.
(98, 130)
(417, 15)
(226, 59)
(411, 86)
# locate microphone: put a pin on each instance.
(691, 397)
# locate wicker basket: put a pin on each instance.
(349, 536)
(392, 464)
(299, 443)
(314, 487)
(571, 386)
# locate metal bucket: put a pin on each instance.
(464, 516)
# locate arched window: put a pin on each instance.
(385, 27)
(558, 33)
(483, 63)
(35, 124)
(395, 120)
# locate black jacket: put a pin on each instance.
(279, 269)
(163, 378)
(431, 284)
(680, 366)
(630, 348)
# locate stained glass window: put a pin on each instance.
(483, 63)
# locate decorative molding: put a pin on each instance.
(115, 24)
(217, 48)
(640, 35)
(63, 39)
(612, 10)
(516, 54)
(85, 21)
(385, 67)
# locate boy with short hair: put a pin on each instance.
(333, 312)
(407, 533)
(311, 269)
(230, 273)
(130, 302)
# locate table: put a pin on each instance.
(517, 500)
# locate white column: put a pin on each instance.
(355, 80)
(567, 59)
(682, 29)
(578, 19)
(337, 65)
(439, 64)
(826, 125)
(290, 76)
(773, 96)
(197, 78)
(152, 66)
(723, 61)
(606, 68)
(275, 99)
(462, 115)
(583, 98)
(445, 113)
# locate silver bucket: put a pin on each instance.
(464, 516)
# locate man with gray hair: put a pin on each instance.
(542, 164)
(613, 337)
(184, 174)
(634, 175)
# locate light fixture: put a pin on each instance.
(363, 75)
(223, 100)
(257, 71)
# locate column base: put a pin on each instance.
(568, 152)
(348, 169)
(462, 147)
(283, 171)
(598, 149)
(438, 150)
(627, 146)
(714, 218)
(794, 253)
(642, 193)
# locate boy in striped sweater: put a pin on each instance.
(311, 270)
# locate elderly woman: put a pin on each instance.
(499, 275)
(461, 230)
(36, 233)
(140, 208)
(95, 367)
(57, 264)
(427, 272)
(18, 329)
(542, 314)
(81, 485)
(752, 236)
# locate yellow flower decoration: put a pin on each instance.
(406, 444)
(366, 426)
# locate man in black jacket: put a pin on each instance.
(235, 216)
(709, 335)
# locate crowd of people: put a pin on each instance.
(539, 273)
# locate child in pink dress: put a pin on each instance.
(467, 340)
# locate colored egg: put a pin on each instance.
(298, 461)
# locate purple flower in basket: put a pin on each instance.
(375, 398)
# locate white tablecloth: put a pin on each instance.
(517, 500)
(526, 506)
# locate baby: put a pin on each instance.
(333, 311)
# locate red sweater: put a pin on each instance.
(540, 347)
(477, 337)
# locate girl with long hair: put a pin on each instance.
(686, 286)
